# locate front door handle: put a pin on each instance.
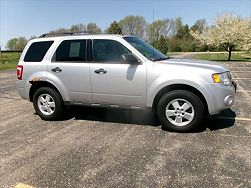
(56, 69)
(100, 71)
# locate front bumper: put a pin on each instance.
(229, 100)
(221, 97)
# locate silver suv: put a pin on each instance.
(120, 72)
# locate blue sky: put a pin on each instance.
(34, 17)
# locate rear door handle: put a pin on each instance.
(100, 71)
(56, 69)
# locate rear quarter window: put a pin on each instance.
(37, 51)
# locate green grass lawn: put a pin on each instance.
(174, 53)
(9, 60)
(211, 56)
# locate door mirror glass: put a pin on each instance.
(130, 59)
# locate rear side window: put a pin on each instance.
(37, 51)
(71, 50)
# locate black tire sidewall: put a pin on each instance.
(182, 94)
(57, 99)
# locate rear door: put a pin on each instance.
(70, 71)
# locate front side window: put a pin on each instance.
(37, 51)
(146, 49)
(71, 51)
(108, 51)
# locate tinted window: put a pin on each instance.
(37, 51)
(108, 51)
(71, 50)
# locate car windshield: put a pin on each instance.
(146, 49)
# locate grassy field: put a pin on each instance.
(9, 60)
(236, 56)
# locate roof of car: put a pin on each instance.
(76, 35)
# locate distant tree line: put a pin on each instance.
(228, 32)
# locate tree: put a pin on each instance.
(229, 31)
(133, 25)
(92, 28)
(60, 30)
(247, 44)
(181, 39)
(159, 28)
(199, 25)
(21, 43)
(181, 30)
(32, 37)
(114, 28)
(162, 44)
(78, 28)
(16, 44)
(11, 44)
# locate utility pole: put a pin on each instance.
(0, 52)
(153, 14)
(153, 33)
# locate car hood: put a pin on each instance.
(216, 67)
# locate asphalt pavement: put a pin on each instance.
(97, 147)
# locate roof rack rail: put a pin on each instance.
(64, 33)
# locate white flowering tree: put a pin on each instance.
(229, 31)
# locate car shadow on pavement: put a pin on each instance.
(222, 121)
(124, 116)
(140, 117)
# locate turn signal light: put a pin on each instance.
(216, 78)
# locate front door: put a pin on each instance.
(114, 82)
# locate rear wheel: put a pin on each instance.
(180, 111)
(48, 103)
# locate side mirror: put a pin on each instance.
(130, 59)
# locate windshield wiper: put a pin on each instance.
(160, 59)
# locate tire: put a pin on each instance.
(48, 103)
(180, 111)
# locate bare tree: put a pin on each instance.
(78, 28)
(159, 28)
(133, 25)
(92, 28)
(199, 26)
(60, 30)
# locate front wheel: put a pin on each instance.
(48, 103)
(180, 111)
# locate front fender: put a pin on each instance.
(204, 89)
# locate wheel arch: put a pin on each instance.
(185, 87)
(38, 84)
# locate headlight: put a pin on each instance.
(224, 78)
